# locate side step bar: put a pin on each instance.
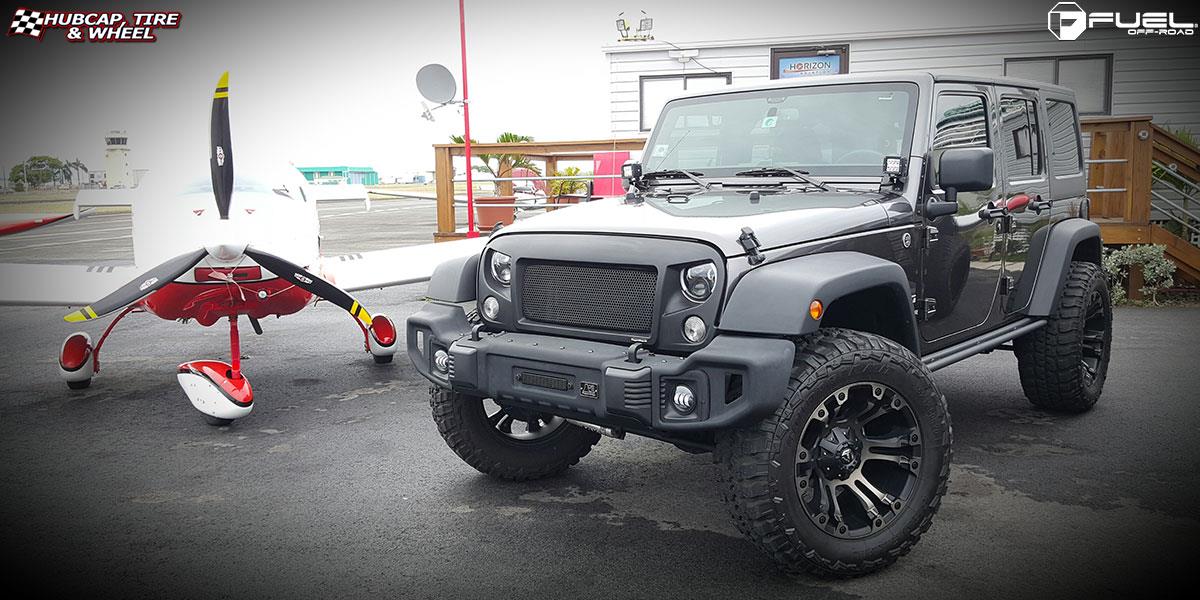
(989, 341)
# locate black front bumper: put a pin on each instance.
(736, 379)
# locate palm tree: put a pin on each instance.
(505, 163)
(79, 168)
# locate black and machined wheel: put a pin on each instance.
(847, 474)
(1064, 364)
(507, 442)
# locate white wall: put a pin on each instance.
(1159, 76)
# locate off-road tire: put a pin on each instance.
(758, 475)
(462, 421)
(1050, 359)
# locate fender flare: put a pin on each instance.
(1061, 248)
(774, 299)
(454, 280)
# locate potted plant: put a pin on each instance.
(566, 191)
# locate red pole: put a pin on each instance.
(462, 35)
(235, 349)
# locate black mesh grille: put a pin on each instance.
(600, 297)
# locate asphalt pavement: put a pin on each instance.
(338, 484)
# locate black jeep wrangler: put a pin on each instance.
(790, 265)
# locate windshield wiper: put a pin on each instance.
(693, 175)
(784, 172)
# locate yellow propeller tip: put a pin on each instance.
(75, 317)
(224, 81)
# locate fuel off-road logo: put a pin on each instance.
(94, 26)
(1067, 21)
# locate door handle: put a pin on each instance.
(1039, 205)
(990, 211)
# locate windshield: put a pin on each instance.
(826, 130)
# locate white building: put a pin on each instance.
(117, 172)
(1112, 73)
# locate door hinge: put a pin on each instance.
(750, 244)
(930, 236)
(924, 308)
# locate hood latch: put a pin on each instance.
(751, 244)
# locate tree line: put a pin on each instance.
(46, 171)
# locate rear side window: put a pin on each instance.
(1019, 137)
(1064, 138)
(960, 121)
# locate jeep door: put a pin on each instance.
(1021, 153)
(962, 268)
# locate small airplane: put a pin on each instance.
(255, 253)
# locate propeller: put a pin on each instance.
(307, 280)
(221, 160)
(221, 164)
(138, 288)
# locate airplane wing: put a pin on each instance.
(119, 197)
(60, 285)
(396, 266)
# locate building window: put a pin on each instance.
(655, 90)
(1089, 76)
(810, 61)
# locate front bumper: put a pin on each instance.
(736, 379)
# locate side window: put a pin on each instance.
(1019, 141)
(1064, 138)
(960, 121)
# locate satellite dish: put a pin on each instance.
(436, 84)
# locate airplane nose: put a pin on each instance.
(225, 252)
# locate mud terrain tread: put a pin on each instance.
(477, 448)
(754, 500)
(1048, 358)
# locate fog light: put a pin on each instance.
(491, 307)
(694, 329)
(441, 360)
(684, 400)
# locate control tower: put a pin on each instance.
(117, 173)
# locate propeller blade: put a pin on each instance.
(311, 282)
(138, 288)
(221, 160)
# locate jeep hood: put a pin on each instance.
(778, 218)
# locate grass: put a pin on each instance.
(47, 202)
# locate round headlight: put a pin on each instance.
(501, 267)
(699, 281)
(694, 329)
(491, 307)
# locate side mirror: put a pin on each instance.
(965, 170)
(631, 172)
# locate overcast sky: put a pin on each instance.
(333, 82)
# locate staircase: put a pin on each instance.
(1144, 183)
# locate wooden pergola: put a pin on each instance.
(549, 153)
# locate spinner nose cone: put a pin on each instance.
(227, 251)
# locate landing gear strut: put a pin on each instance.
(217, 389)
(79, 360)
